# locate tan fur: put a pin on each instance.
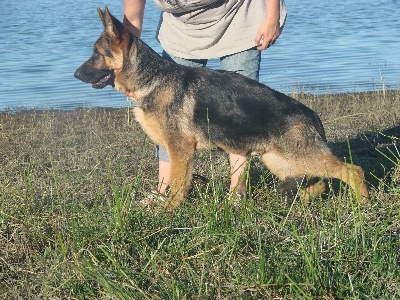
(321, 165)
(313, 191)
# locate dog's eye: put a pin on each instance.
(97, 54)
(108, 53)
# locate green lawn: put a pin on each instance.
(70, 227)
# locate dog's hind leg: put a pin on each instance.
(181, 159)
(350, 174)
(323, 164)
(286, 171)
(310, 187)
(313, 190)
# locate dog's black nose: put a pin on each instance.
(77, 73)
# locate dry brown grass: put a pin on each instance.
(69, 227)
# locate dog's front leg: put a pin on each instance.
(181, 159)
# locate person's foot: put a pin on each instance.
(153, 199)
(235, 198)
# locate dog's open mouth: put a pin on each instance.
(108, 79)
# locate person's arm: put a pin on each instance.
(133, 15)
(270, 29)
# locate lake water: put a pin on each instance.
(326, 46)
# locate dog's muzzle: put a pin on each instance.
(97, 78)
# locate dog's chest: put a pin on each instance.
(151, 126)
(163, 131)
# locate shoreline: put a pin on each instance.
(293, 94)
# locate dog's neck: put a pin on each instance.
(144, 72)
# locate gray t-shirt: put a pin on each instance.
(195, 29)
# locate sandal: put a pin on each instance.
(235, 198)
(154, 198)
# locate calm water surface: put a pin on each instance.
(326, 46)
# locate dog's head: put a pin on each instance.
(107, 59)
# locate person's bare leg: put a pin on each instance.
(238, 165)
(164, 170)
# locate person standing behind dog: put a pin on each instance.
(193, 31)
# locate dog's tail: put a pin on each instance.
(318, 126)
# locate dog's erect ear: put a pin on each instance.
(111, 24)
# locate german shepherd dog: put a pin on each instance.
(186, 109)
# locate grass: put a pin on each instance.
(70, 227)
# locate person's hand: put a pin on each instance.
(267, 34)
